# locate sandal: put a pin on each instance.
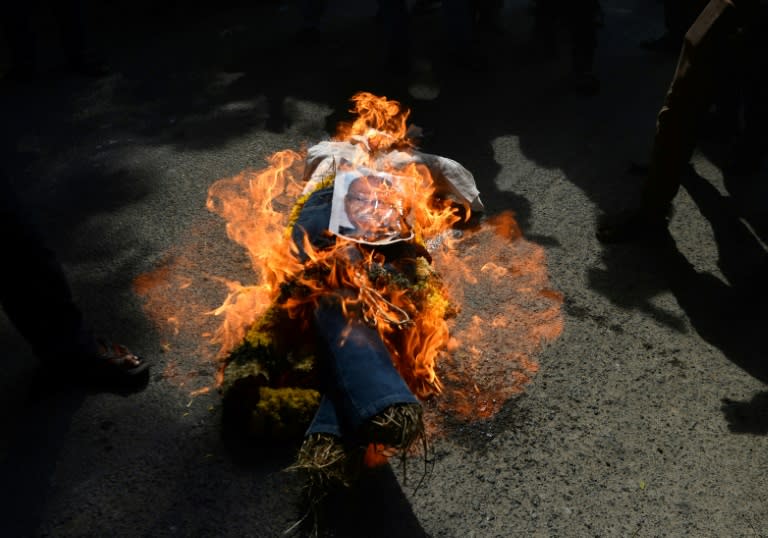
(115, 363)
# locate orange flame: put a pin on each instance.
(381, 121)
(509, 311)
(478, 359)
(255, 205)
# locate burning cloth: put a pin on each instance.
(346, 351)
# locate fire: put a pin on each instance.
(509, 311)
(471, 335)
(256, 207)
(383, 122)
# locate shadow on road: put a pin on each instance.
(729, 314)
(377, 508)
(747, 417)
(732, 315)
(39, 431)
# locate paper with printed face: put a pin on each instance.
(369, 207)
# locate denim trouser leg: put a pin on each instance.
(326, 420)
(362, 381)
(313, 222)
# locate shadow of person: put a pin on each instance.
(747, 417)
(376, 508)
(36, 442)
(631, 279)
(729, 315)
(743, 165)
(463, 101)
(750, 194)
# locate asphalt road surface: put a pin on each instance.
(648, 415)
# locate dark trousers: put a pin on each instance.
(714, 45)
(393, 15)
(34, 291)
(18, 19)
(580, 18)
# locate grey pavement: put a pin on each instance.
(648, 415)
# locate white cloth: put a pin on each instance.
(450, 178)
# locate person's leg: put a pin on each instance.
(582, 17)
(545, 16)
(78, 38)
(34, 291)
(686, 101)
(36, 297)
(458, 17)
(489, 14)
(21, 39)
(395, 20)
(460, 47)
(313, 11)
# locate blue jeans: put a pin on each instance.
(359, 379)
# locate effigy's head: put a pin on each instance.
(374, 206)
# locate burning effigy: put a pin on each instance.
(341, 340)
(355, 313)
